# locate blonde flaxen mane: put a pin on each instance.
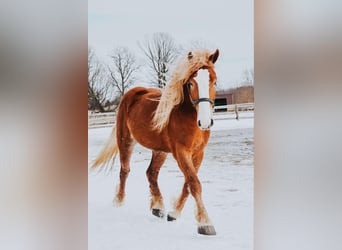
(173, 93)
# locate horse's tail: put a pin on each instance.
(109, 151)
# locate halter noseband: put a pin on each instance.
(197, 101)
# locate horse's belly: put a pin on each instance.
(152, 141)
(145, 136)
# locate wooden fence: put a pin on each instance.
(232, 107)
(106, 119)
(101, 119)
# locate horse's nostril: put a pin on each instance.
(211, 122)
(199, 123)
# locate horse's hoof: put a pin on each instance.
(158, 212)
(170, 218)
(206, 230)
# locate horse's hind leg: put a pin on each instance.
(125, 144)
(157, 205)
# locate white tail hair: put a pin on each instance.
(108, 152)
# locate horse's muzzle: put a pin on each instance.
(205, 126)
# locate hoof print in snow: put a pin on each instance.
(170, 218)
(158, 212)
(206, 230)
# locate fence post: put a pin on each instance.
(236, 112)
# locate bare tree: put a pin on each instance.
(97, 85)
(161, 50)
(123, 69)
(248, 76)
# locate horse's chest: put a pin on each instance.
(193, 140)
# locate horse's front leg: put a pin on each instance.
(180, 202)
(186, 164)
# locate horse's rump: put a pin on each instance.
(136, 112)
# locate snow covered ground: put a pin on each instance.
(226, 175)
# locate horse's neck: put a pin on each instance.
(187, 102)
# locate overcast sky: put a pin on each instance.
(224, 24)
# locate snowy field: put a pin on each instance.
(226, 175)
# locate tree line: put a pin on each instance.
(115, 78)
(107, 83)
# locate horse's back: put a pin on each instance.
(140, 100)
(140, 93)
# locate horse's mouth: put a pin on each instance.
(207, 127)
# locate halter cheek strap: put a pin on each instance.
(197, 101)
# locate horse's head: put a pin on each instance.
(202, 91)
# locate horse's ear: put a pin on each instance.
(213, 57)
(190, 55)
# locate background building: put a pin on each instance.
(243, 94)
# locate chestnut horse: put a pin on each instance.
(176, 120)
